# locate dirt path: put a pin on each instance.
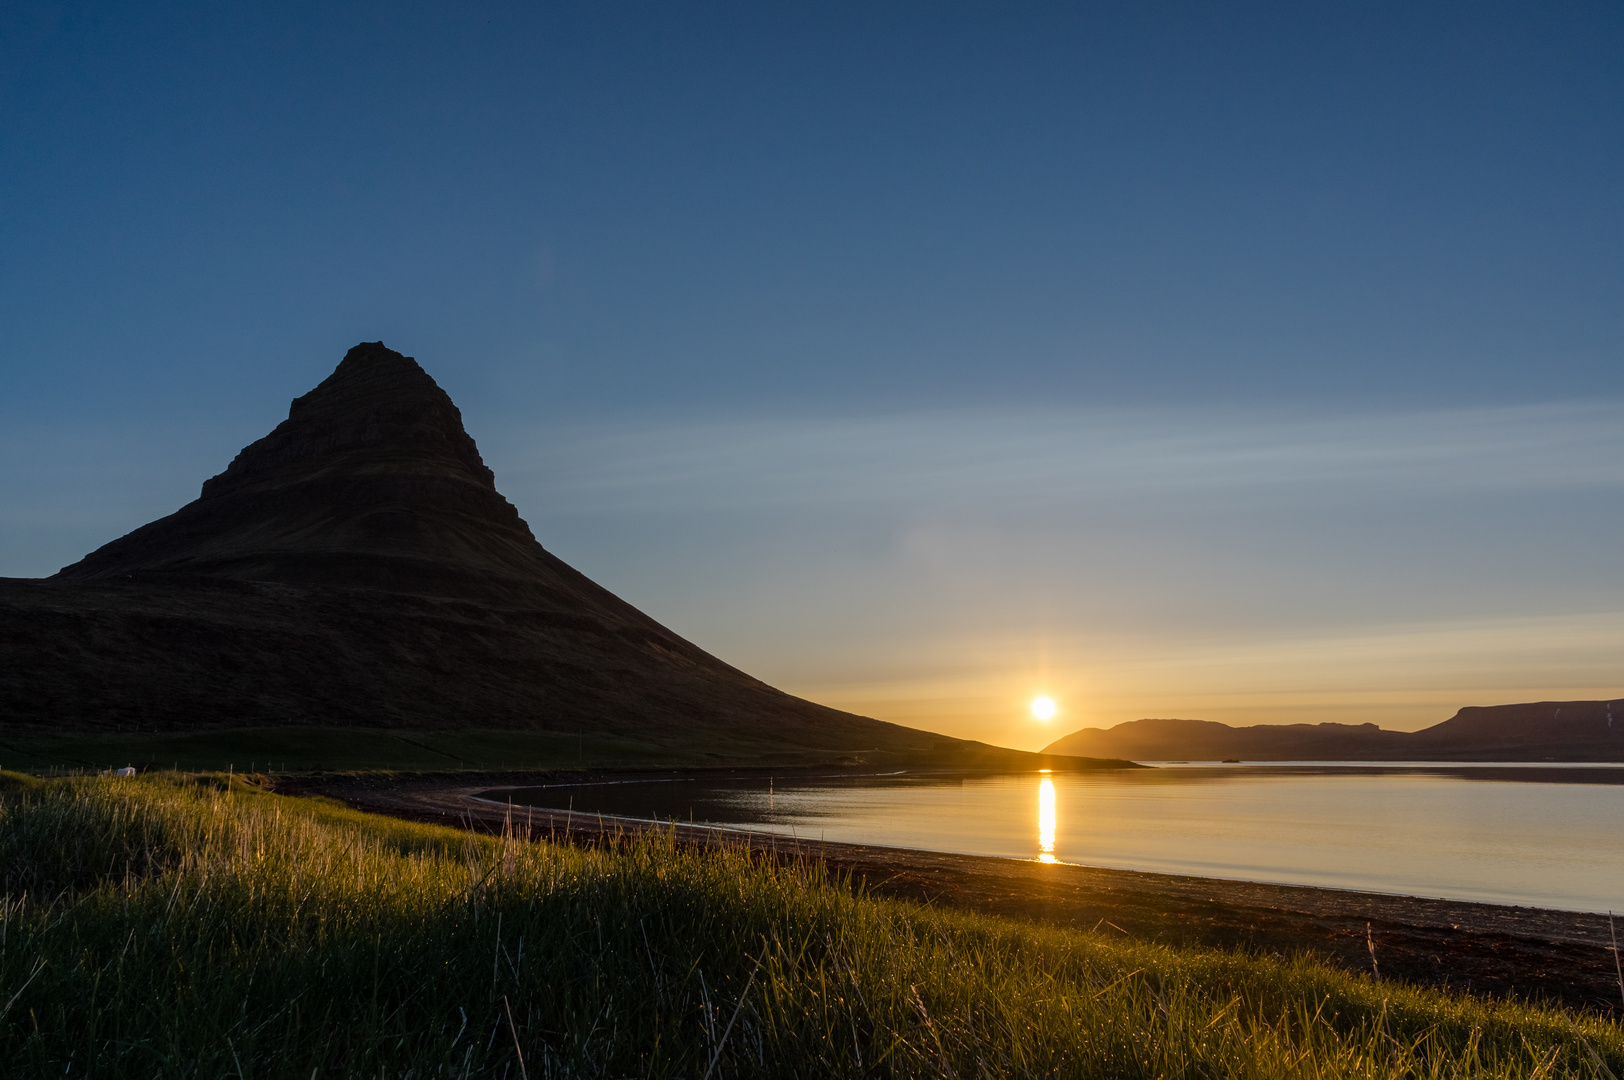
(1490, 950)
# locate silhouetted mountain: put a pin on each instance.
(1539, 731)
(358, 566)
(370, 481)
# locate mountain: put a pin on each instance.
(358, 567)
(370, 482)
(1538, 731)
(1206, 740)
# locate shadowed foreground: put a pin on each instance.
(170, 927)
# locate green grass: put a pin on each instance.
(173, 927)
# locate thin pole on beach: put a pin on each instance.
(1617, 966)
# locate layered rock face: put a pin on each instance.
(371, 481)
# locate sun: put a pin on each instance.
(1043, 708)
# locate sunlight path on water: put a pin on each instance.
(1535, 835)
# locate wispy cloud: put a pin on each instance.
(999, 456)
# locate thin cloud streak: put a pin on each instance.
(1001, 456)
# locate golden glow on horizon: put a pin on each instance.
(1043, 708)
(1404, 676)
(1046, 820)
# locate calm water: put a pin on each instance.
(1548, 836)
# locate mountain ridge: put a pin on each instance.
(1531, 731)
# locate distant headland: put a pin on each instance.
(1536, 731)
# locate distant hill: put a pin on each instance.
(1537, 731)
(358, 567)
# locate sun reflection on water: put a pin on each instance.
(1046, 820)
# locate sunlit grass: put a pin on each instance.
(172, 927)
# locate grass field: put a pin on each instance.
(173, 926)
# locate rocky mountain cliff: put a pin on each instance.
(371, 482)
(1537, 731)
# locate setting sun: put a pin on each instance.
(1043, 708)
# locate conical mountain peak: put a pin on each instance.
(377, 406)
(371, 481)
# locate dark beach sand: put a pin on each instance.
(1493, 951)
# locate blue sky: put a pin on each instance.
(1236, 361)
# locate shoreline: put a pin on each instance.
(1492, 951)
